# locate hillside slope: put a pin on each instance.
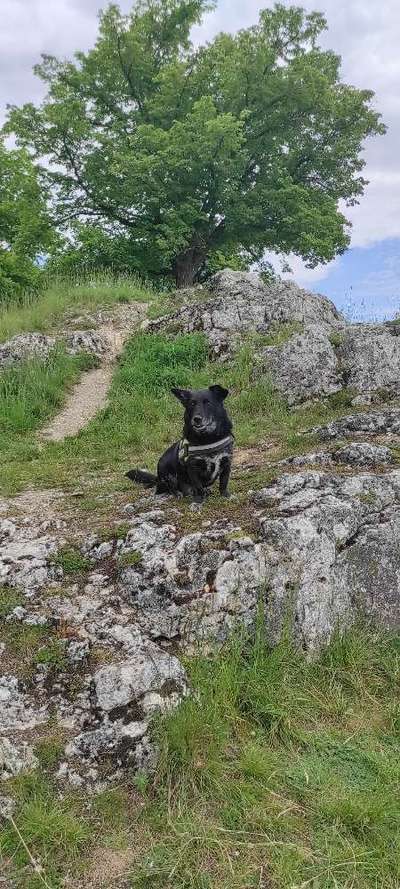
(111, 599)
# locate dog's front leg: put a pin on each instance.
(224, 477)
(197, 487)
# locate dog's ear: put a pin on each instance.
(219, 392)
(182, 395)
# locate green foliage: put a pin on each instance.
(275, 765)
(49, 751)
(336, 339)
(71, 560)
(142, 417)
(9, 599)
(126, 560)
(282, 768)
(180, 157)
(24, 224)
(52, 830)
(31, 391)
(52, 654)
(23, 642)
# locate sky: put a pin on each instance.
(365, 281)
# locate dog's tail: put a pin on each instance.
(142, 477)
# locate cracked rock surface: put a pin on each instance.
(37, 345)
(240, 303)
(324, 551)
(327, 356)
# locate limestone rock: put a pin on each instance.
(25, 345)
(305, 367)
(89, 341)
(15, 758)
(149, 670)
(196, 590)
(330, 552)
(36, 345)
(378, 422)
(18, 709)
(240, 303)
(354, 454)
(370, 359)
(24, 559)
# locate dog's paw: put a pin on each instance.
(196, 506)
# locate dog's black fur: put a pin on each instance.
(205, 423)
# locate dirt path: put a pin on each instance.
(90, 394)
(84, 401)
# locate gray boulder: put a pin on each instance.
(25, 345)
(280, 301)
(24, 558)
(305, 367)
(240, 303)
(36, 345)
(15, 758)
(378, 422)
(369, 356)
(194, 591)
(330, 553)
(18, 709)
(361, 454)
(133, 682)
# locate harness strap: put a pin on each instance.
(207, 450)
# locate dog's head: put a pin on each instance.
(205, 414)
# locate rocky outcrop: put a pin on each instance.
(240, 303)
(331, 552)
(362, 454)
(369, 356)
(305, 367)
(323, 553)
(15, 758)
(315, 550)
(36, 345)
(374, 423)
(327, 356)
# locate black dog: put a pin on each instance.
(190, 466)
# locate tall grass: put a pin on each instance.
(43, 312)
(276, 772)
(31, 392)
(280, 773)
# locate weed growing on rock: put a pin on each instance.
(71, 561)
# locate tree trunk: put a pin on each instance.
(187, 265)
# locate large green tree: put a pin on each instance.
(25, 229)
(244, 145)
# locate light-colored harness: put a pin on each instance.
(187, 450)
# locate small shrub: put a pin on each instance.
(53, 655)
(125, 560)
(336, 339)
(49, 752)
(71, 561)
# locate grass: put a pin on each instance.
(30, 393)
(280, 773)
(71, 560)
(44, 313)
(142, 417)
(277, 772)
(127, 560)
